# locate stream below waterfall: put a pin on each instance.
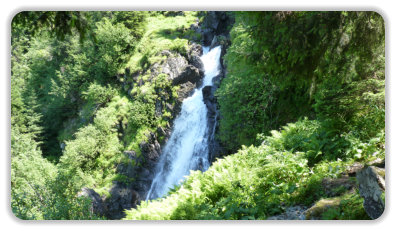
(187, 147)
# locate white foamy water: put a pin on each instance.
(187, 148)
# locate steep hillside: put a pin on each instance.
(297, 111)
(307, 88)
(98, 107)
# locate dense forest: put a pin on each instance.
(300, 114)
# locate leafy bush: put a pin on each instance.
(114, 44)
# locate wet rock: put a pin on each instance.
(217, 80)
(214, 42)
(207, 35)
(215, 23)
(209, 100)
(196, 62)
(208, 94)
(371, 186)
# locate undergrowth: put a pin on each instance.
(258, 182)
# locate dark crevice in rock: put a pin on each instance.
(216, 26)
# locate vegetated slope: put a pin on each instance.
(282, 66)
(72, 103)
(258, 182)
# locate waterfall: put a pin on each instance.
(187, 147)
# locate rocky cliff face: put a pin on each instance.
(183, 71)
(215, 32)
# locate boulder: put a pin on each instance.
(189, 74)
(122, 197)
(98, 206)
(196, 50)
(180, 70)
(354, 168)
(150, 149)
(126, 169)
(174, 66)
(335, 187)
(185, 90)
(371, 186)
(315, 212)
(214, 42)
(291, 213)
(196, 62)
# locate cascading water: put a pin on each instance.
(187, 148)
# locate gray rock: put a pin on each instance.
(196, 62)
(98, 206)
(214, 42)
(291, 213)
(369, 181)
(196, 50)
(209, 100)
(158, 107)
(184, 91)
(215, 23)
(122, 197)
(127, 170)
(207, 35)
(161, 131)
(189, 74)
(130, 154)
(150, 149)
(174, 66)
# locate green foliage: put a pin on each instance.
(258, 182)
(350, 209)
(251, 184)
(114, 44)
(282, 65)
(135, 21)
(324, 67)
(98, 94)
(38, 190)
(97, 147)
(162, 33)
(60, 23)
